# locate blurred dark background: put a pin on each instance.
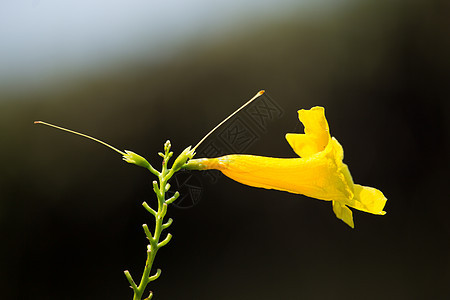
(70, 209)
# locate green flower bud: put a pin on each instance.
(183, 158)
(133, 158)
(167, 146)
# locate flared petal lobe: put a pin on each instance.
(369, 199)
(344, 213)
(316, 136)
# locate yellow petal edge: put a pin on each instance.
(318, 173)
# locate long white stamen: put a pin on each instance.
(81, 134)
(227, 118)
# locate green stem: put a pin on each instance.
(154, 239)
(160, 191)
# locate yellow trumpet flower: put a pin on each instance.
(318, 173)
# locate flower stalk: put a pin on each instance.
(160, 188)
(155, 243)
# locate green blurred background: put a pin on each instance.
(70, 209)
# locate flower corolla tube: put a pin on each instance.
(318, 172)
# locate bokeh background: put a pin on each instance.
(136, 73)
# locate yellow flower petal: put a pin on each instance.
(344, 213)
(369, 199)
(316, 135)
(319, 173)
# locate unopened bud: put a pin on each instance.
(167, 146)
(133, 158)
(183, 158)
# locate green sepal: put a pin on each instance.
(133, 158)
(182, 159)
